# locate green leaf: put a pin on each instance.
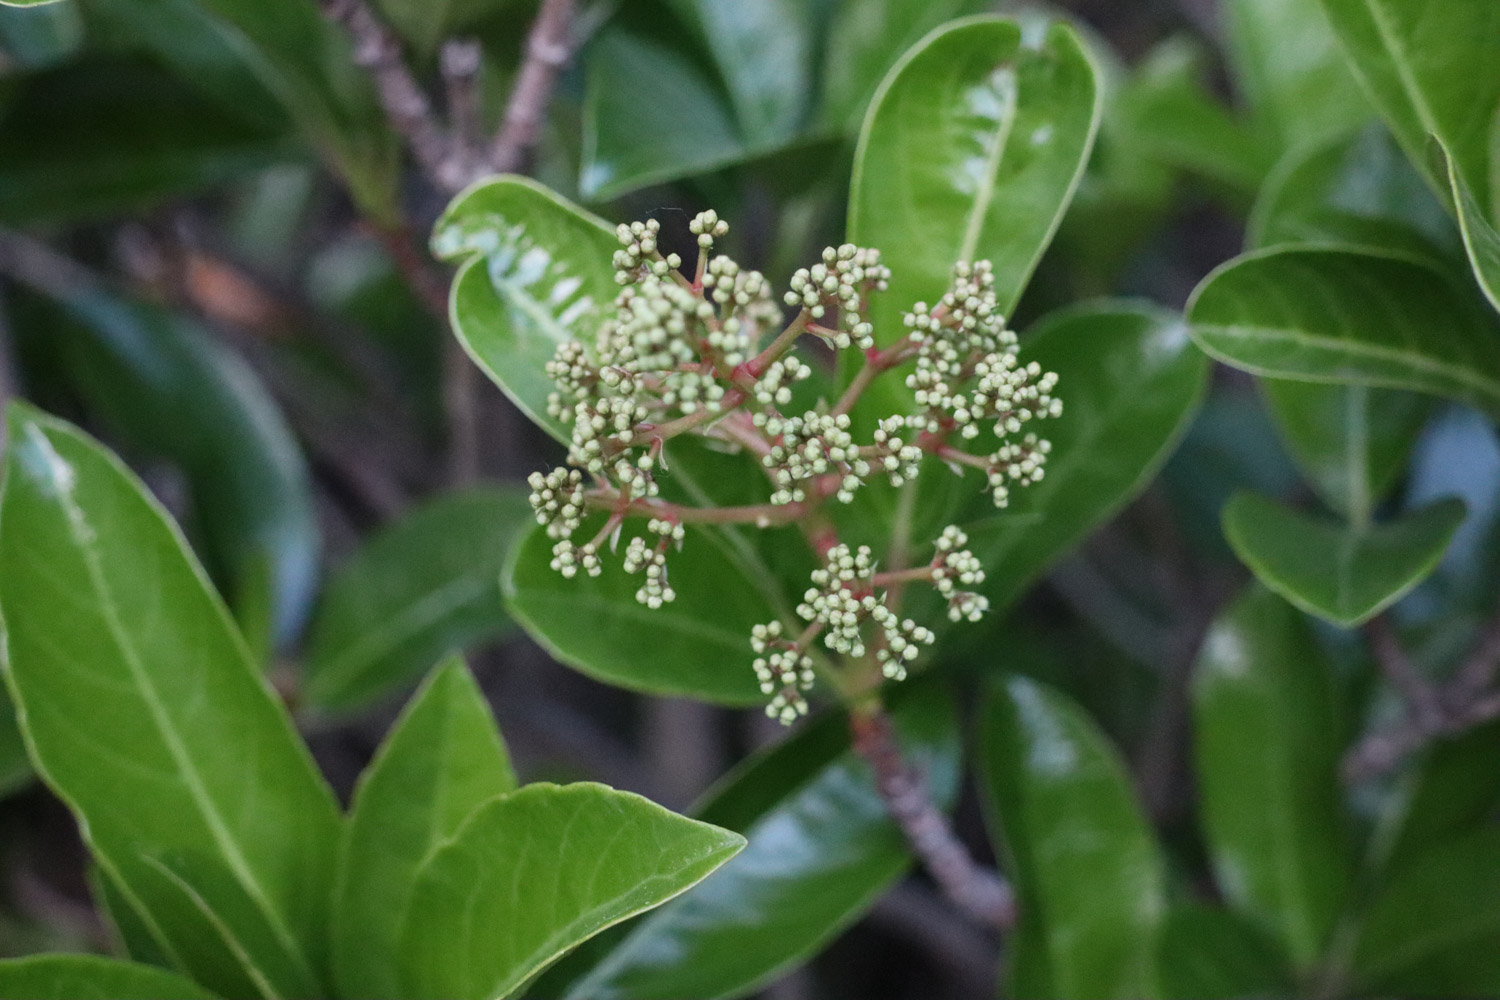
(1434, 928)
(442, 759)
(1481, 238)
(131, 935)
(971, 150)
(1267, 759)
(1086, 863)
(533, 873)
(166, 386)
(535, 273)
(26, 3)
(1345, 573)
(145, 715)
(822, 848)
(631, 140)
(764, 51)
(112, 136)
(1334, 314)
(425, 585)
(1130, 382)
(1210, 954)
(697, 645)
(15, 766)
(1429, 69)
(41, 35)
(1454, 791)
(1289, 67)
(91, 977)
(1350, 441)
(1355, 189)
(865, 38)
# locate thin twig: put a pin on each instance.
(1419, 694)
(980, 892)
(549, 46)
(1478, 669)
(1383, 749)
(459, 62)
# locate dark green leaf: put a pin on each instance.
(1210, 954)
(630, 139)
(1429, 69)
(40, 35)
(1290, 69)
(1333, 314)
(1130, 382)
(1434, 928)
(697, 645)
(107, 137)
(1267, 760)
(442, 760)
(426, 585)
(971, 150)
(764, 50)
(1455, 790)
(822, 849)
(1481, 238)
(132, 936)
(144, 713)
(488, 913)
(91, 977)
(167, 387)
(865, 39)
(27, 3)
(536, 274)
(1356, 189)
(1089, 874)
(1351, 441)
(1345, 573)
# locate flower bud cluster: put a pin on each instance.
(640, 256)
(843, 279)
(784, 671)
(812, 445)
(968, 376)
(640, 556)
(843, 600)
(955, 567)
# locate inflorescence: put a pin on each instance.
(709, 355)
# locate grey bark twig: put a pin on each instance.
(980, 892)
(549, 46)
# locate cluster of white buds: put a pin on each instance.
(784, 671)
(899, 460)
(954, 570)
(640, 256)
(812, 445)
(557, 500)
(706, 226)
(843, 598)
(967, 376)
(843, 279)
(774, 387)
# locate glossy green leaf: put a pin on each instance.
(697, 645)
(1267, 755)
(1291, 71)
(534, 873)
(1481, 238)
(91, 977)
(1206, 953)
(108, 137)
(1130, 381)
(26, 3)
(165, 385)
(1085, 861)
(1333, 314)
(536, 273)
(1429, 69)
(442, 759)
(1351, 441)
(764, 50)
(971, 150)
(41, 35)
(821, 849)
(145, 715)
(865, 38)
(1345, 573)
(131, 935)
(1355, 189)
(424, 586)
(630, 140)
(1434, 928)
